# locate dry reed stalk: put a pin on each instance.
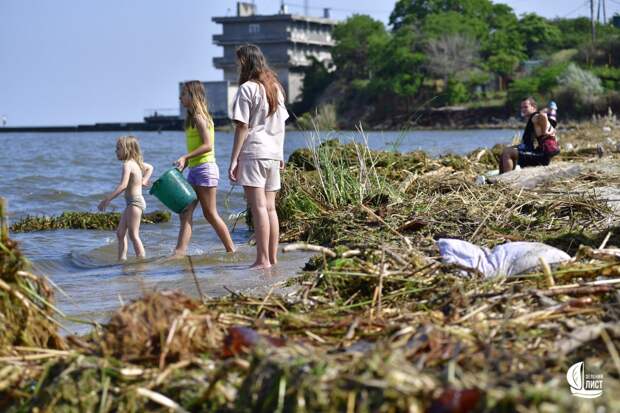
(309, 247)
(161, 399)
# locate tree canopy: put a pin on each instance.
(464, 51)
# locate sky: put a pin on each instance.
(67, 62)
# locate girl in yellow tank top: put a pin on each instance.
(203, 171)
(194, 141)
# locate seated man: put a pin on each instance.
(539, 130)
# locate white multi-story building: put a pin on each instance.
(287, 41)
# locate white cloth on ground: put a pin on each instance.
(507, 259)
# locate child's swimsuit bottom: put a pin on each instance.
(137, 201)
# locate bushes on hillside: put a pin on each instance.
(578, 89)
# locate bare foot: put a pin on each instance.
(175, 256)
(260, 266)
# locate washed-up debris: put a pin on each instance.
(82, 220)
(160, 328)
(243, 339)
(425, 199)
(508, 259)
(26, 301)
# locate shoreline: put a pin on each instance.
(125, 128)
(141, 127)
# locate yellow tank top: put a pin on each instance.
(193, 140)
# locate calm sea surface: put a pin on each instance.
(48, 173)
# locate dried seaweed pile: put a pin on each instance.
(423, 199)
(26, 309)
(369, 331)
(82, 220)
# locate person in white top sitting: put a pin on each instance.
(258, 151)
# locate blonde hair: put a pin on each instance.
(198, 103)
(130, 149)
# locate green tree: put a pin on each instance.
(503, 52)
(604, 52)
(451, 23)
(575, 33)
(353, 38)
(317, 77)
(504, 65)
(398, 66)
(538, 34)
(456, 92)
(415, 11)
(502, 17)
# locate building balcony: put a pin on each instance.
(288, 37)
(222, 40)
(221, 62)
(311, 38)
(224, 62)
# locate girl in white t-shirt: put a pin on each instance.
(257, 156)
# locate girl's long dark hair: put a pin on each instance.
(254, 67)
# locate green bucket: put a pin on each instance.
(173, 190)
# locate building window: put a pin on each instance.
(254, 28)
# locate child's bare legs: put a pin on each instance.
(121, 235)
(274, 226)
(185, 231)
(134, 214)
(260, 217)
(208, 202)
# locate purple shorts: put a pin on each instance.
(205, 174)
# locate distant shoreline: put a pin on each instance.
(140, 127)
(99, 127)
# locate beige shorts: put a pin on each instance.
(259, 173)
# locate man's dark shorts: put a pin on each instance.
(527, 158)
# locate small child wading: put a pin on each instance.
(257, 156)
(203, 174)
(135, 175)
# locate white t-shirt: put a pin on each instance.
(265, 138)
